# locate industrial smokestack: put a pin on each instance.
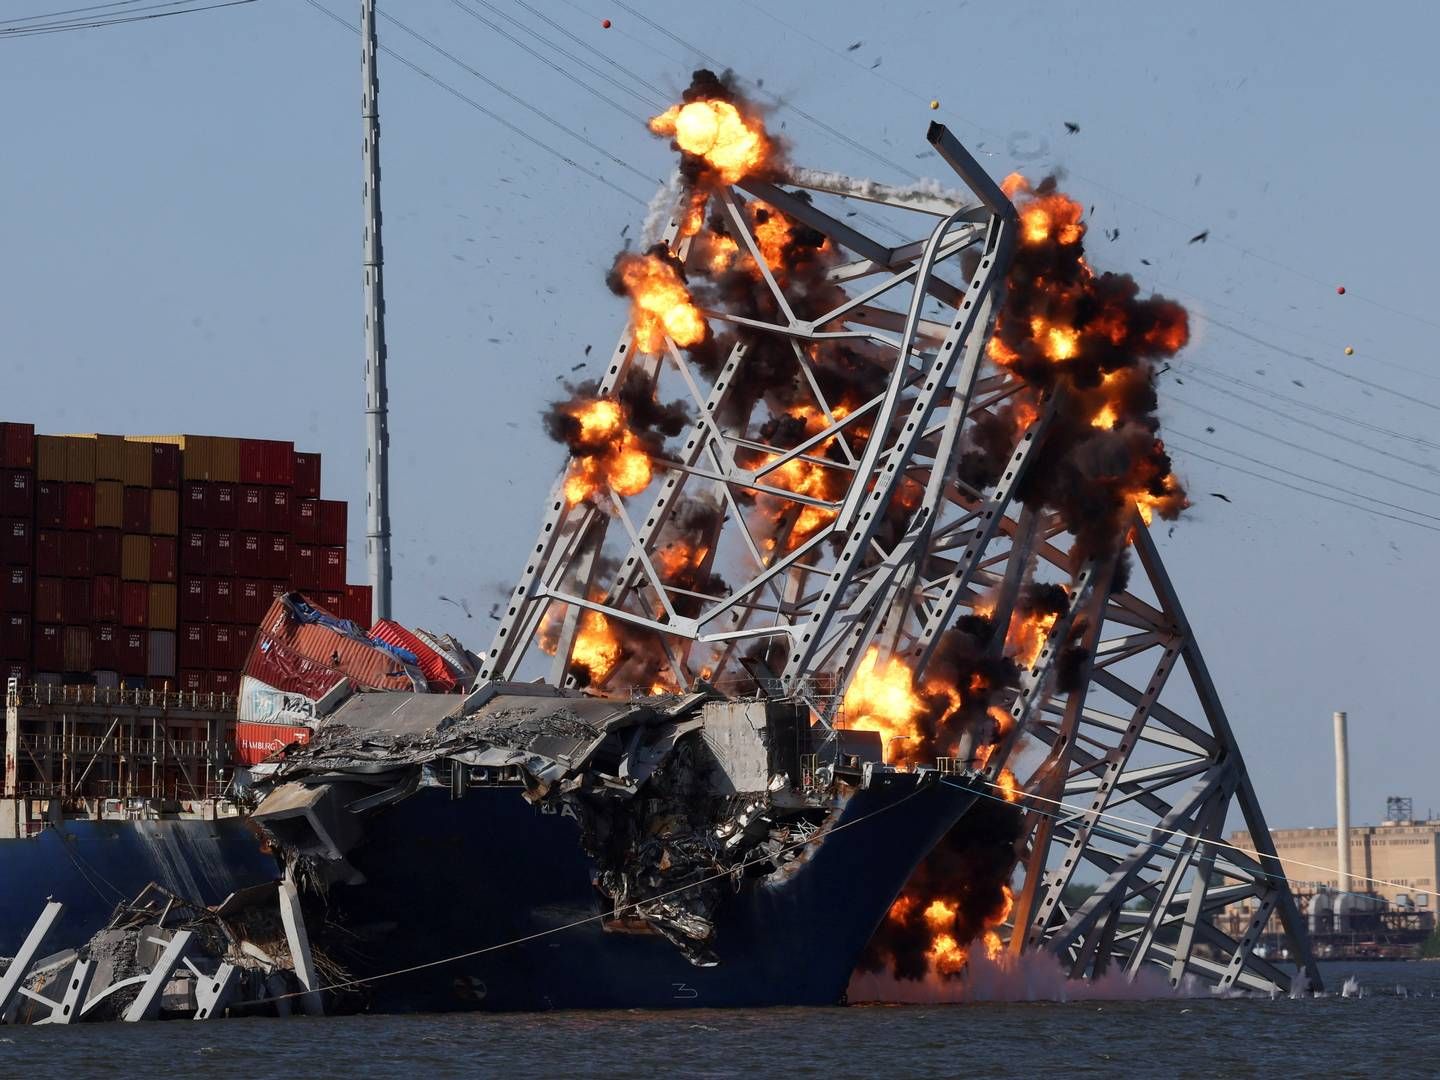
(1342, 801)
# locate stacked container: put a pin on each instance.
(149, 560)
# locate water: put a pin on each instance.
(1386, 1027)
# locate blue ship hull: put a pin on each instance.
(93, 865)
(452, 876)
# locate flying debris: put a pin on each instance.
(1340, 290)
(1146, 262)
(1071, 127)
(588, 348)
(462, 604)
(1112, 235)
(1218, 495)
(1349, 350)
(605, 24)
(577, 367)
(1200, 237)
(494, 611)
(1209, 430)
(852, 48)
(934, 104)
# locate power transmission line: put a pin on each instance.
(513, 128)
(68, 11)
(115, 19)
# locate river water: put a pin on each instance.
(1389, 1027)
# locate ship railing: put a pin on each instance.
(38, 694)
(96, 744)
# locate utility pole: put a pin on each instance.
(377, 399)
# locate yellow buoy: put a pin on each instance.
(1349, 350)
(934, 104)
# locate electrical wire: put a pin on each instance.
(660, 96)
(1299, 476)
(1306, 449)
(119, 18)
(68, 11)
(511, 127)
(1304, 491)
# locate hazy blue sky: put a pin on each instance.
(181, 236)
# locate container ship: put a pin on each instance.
(135, 570)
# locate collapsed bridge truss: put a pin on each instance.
(1130, 775)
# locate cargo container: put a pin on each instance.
(50, 600)
(195, 505)
(334, 522)
(193, 592)
(15, 636)
(193, 682)
(250, 511)
(164, 563)
(77, 647)
(135, 510)
(160, 612)
(79, 460)
(220, 553)
(164, 512)
(220, 600)
(105, 598)
(49, 553)
(332, 568)
(306, 517)
(358, 606)
(160, 654)
(49, 504)
(76, 550)
(17, 542)
(109, 504)
(252, 598)
(105, 552)
(306, 476)
(106, 639)
(277, 557)
(224, 510)
(17, 493)
(278, 518)
(135, 558)
(48, 643)
(132, 652)
(75, 603)
(164, 466)
(109, 457)
(305, 566)
(135, 605)
(193, 647)
(220, 648)
(138, 470)
(250, 555)
(49, 459)
(17, 590)
(279, 463)
(17, 446)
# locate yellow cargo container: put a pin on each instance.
(214, 458)
(162, 607)
(164, 512)
(109, 504)
(137, 469)
(79, 459)
(49, 457)
(109, 458)
(135, 557)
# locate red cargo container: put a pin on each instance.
(49, 644)
(75, 601)
(17, 445)
(49, 553)
(242, 636)
(307, 520)
(279, 463)
(305, 566)
(334, 601)
(332, 568)
(276, 664)
(105, 551)
(277, 557)
(250, 555)
(17, 588)
(257, 743)
(250, 513)
(105, 598)
(333, 523)
(224, 682)
(17, 542)
(220, 553)
(15, 636)
(366, 664)
(358, 605)
(135, 606)
(107, 646)
(49, 600)
(224, 506)
(220, 648)
(195, 505)
(163, 563)
(79, 648)
(431, 664)
(136, 510)
(278, 518)
(220, 600)
(17, 493)
(252, 597)
(193, 594)
(193, 652)
(165, 466)
(192, 551)
(132, 652)
(76, 550)
(79, 506)
(193, 682)
(252, 461)
(306, 476)
(49, 504)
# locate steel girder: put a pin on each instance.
(1137, 767)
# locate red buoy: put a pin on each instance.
(1340, 289)
(605, 24)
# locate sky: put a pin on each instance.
(182, 221)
